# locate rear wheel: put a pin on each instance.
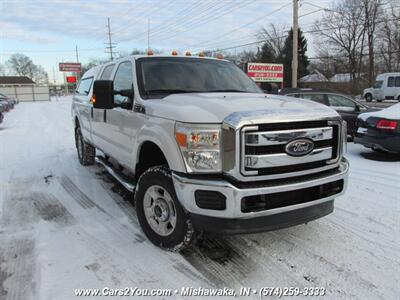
(368, 97)
(86, 152)
(161, 216)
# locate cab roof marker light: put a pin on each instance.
(188, 53)
(201, 54)
(150, 52)
(174, 53)
(220, 56)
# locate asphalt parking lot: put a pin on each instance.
(65, 226)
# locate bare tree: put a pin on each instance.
(22, 65)
(371, 10)
(274, 38)
(342, 29)
(388, 37)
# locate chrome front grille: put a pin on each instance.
(263, 148)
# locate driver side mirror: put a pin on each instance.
(103, 94)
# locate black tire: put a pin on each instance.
(183, 233)
(398, 98)
(368, 97)
(86, 152)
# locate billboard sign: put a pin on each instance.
(70, 67)
(261, 72)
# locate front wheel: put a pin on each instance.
(368, 97)
(161, 216)
(86, 152)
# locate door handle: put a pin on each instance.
(105, 116)
(91, 112)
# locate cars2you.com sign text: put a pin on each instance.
(260, 72)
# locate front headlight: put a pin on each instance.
(200, 146)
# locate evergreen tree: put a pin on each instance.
(286, 58)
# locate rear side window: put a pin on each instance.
(107, 72)
(341, 103)
(320, 98)
(84, 86)
(397, 83)
(390, 81)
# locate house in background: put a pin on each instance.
(314, 76)
(23, 88)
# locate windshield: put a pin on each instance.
(378, 84)
(161, 76)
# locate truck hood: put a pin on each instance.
(216, 107)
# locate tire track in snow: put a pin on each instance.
(20, 267)
(72, 189)
(111, 223)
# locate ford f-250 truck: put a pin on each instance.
(204, 150)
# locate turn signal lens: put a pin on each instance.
(386, 124)
(93, 100)
(181, 138)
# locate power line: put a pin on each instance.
(205, 20)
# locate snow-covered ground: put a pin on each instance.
(64, 226)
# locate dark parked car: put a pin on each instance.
(380, 130)
(348, 108)
(1, 117)
(5, 105)
(11, 101)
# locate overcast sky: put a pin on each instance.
(48, 31)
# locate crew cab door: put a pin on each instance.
(121, 121)
(98, 116)
(83, 106)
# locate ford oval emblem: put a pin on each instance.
(299, 147)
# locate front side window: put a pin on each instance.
(162, 76)
(123, 82)
(341, 103)
(107, 72)
(84, 86)
(378, 84)
(390, 82)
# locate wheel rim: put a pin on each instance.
(159, 210)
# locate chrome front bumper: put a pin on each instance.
(185, 189)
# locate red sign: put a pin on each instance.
(71, 79)
(261, 72)
(70, 67)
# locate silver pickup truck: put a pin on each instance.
(204, 150)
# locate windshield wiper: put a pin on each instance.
(226, 91)
(169, 91)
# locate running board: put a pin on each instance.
(119, 176)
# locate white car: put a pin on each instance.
(386, 87)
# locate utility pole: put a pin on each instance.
(148, 35)
(110, 43)
(77, 60)
(295, 62)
